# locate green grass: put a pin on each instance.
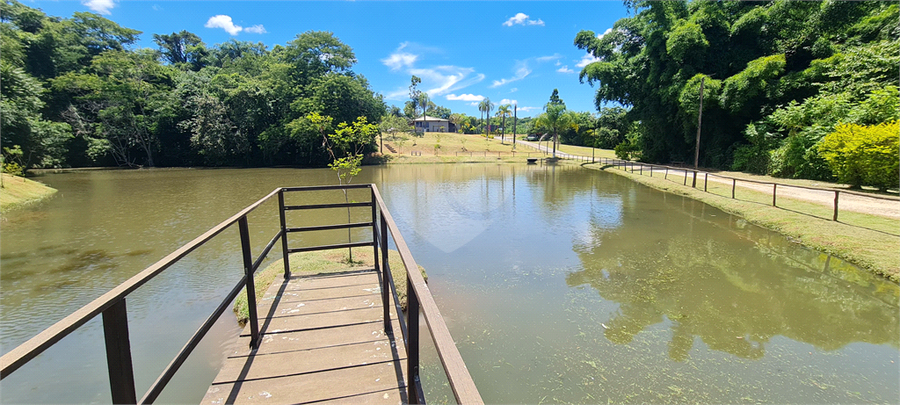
(322, 262)
(19, 191)
(857, 238)
(454, 148)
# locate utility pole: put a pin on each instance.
(515, 106)
(699, 123)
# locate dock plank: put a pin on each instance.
(322, 341)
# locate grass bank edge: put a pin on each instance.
(321, 262)
(18, 192)
(871, 250)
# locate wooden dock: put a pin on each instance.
(322, 340)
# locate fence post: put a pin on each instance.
(836, 194)
(118, 354)
(733, 182)
(774, 187)
(284, 236)
(685, 177)
(251, 286)
(705, 180)
(641, 171)
(412, 347)
(666, 177)
(694, 181)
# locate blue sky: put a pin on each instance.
(507, 51)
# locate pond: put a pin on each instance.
(559, 284)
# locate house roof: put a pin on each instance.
(431, 119)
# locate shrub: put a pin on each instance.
(626, 150)
(864, 155)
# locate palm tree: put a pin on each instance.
(488, 106)
(482, 107)
(503, 112)
(554, 118)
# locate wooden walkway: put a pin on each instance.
(322, 341)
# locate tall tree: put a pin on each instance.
(503, 111)
(183, 49)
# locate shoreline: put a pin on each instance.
(872, 250)
(18, 192)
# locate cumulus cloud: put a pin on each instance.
(586, 60)
(565, 69)
(256, 29)
(508, 101)
(522, 19)
(100, 6)
(474, 104)
(400, 59)
(608, 30)
(521, 72)
(465, 97)
(224, 22)
(527, 109)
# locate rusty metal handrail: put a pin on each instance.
(115, 320)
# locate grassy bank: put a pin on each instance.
(322, 262)
(443, 147)
(871, 249)
(19, 191)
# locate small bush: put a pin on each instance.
(864, 155)
(626, 150)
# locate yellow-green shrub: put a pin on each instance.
(864, 155)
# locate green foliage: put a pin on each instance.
(864, 155)
(754, 158)
(10, 161)
(756, 58)
(626, 150)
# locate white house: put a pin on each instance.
(432, 124)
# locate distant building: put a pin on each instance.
(433, 124)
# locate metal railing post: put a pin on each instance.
(284, 236)
(774, 188)
(705, 180)
(118, 354)
(694, 181)
(685, 178)
(412, 346)
(733, 183)
(385, 269)
(836, 194)
(251, 286)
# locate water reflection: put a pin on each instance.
(732, 285)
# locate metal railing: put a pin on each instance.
(111, 305)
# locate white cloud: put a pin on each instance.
(608, 30)
(521, 72)
(156, 7)
(224, 22)
(445, 79)
(527, 109)
(586, 60)
(508, 101)
(514, 89)
(464, 97)
(565, 69)
(522, 19)
(548, 58)
(474, 104)
(400, 59)
(256, 29)
(100, 6)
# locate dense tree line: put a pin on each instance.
(75, 92)
(777, 77)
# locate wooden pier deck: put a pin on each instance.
(322, 340)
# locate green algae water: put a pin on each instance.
(559, 285)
